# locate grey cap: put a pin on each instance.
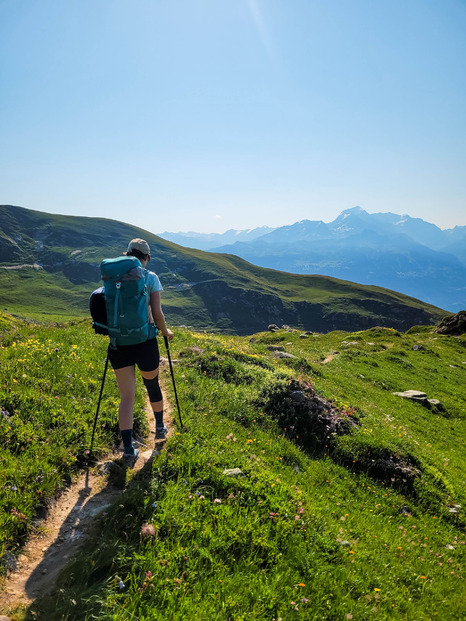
(138, 244)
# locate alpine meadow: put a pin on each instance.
(305, 482)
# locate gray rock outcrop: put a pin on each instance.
(420, 397)
(454, 325)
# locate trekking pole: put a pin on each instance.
(173, 379)
(98, 404)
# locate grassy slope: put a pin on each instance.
(300, 535)
(40, 295)
(294, 287)
(49, 383)
(29, 292)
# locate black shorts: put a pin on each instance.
(145, 355)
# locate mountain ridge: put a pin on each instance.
(403, 222)
(205, 241)
(205, 290)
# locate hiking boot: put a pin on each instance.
(161, 432)
(131, 456)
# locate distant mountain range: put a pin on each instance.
(398, 252)
(49, 264)
(207, 241)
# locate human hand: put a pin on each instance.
(169, 335)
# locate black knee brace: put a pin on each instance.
(153, 389)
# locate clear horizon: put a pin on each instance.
(210, 116)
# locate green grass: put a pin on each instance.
(36, 294)
(304, 532)
(50, 380)
(373, 364)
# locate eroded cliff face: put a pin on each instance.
(246, 311)
(9, 250)
(242, 310)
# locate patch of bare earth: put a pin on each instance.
(70, 519)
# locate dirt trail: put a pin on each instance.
(69, 520)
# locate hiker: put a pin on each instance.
(145, 355)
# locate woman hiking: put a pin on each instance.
(124, 359)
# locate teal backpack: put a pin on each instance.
(126, 301)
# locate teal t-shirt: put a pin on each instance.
(153, 283)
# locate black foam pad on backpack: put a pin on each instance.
(98, 311)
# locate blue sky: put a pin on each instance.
(206, 115)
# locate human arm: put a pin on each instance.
(158, 316)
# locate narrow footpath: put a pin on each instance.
(71, 519)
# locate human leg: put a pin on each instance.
(126, 380)
(151, 382)
(148, 363)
